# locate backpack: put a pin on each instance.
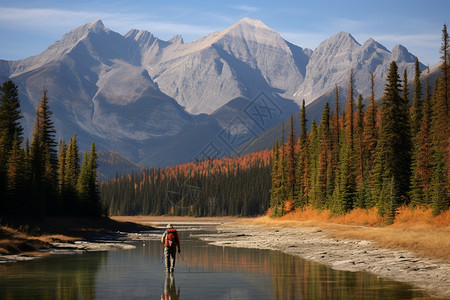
(171, 238)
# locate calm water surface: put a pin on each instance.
(211, 273)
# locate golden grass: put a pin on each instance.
(14, 242)
(415, 230)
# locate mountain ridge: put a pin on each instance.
(135, 93)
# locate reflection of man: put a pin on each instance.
(171, 243)
(170, 290)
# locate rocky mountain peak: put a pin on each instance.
(373, 44)
(401, 54)
(251, 22)
(342, 41)
(177, 39)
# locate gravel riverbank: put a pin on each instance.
(316, 245)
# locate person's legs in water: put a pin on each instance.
(172, 258)
(169, 255)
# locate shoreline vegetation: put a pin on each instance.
(37, 237)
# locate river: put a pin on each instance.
(207, 272)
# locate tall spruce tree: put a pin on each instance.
(44, 160)
(62, 167)
(361, 180)
(370, 138)
(291, 162)
(422, 170)
(83, 186)
(440, 132)
(302, 173)
(71, 174)
(322, 185)
(359, 137)
(349, 112)
(445, 67)
(392, 169)
(93, 192)
(417, 107)
(313, 163)
(10, 116)
(275, 192)
(16, 178)
(335, 133)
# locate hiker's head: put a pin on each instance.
(169, 226)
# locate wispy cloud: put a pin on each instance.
(246, 8)
(55, 20)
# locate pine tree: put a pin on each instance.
(349, 113)
(359, 138)
(324, 159)
(62, 172)
(291, 163)
(344, 194)
(302, 173)
(440, 132)
(9, 125)
(445, 67)
(93, 193)
(405, 94)
(392, 163)
(361, 180)
(10, 114)
(313, 163)
(283, 170)
(422, 170)
(335, 133)
(82, 186)
(370, 141)
(275, 197)
(417, 107)
(71, 174)
(16, 177)
(44, 160)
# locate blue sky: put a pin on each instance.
(28, 27)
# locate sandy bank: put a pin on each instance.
(315, 244)
(24, 239)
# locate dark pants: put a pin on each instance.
(169, 255)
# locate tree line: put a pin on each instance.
(219, 187)
(36, 179)
(384, 156)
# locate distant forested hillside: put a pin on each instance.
(220, 187)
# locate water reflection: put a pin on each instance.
(170, 289)
(210, 272)
(55, 277)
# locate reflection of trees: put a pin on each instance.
(292, 277)
(56, 277)
(295, 278)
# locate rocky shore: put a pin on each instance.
(315, 244)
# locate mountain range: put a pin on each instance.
(161, 102)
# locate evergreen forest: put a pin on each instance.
(37, 179)
(219, 187)
(387, 155)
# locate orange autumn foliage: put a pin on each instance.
(419, 216)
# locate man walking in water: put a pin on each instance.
(171, 243)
